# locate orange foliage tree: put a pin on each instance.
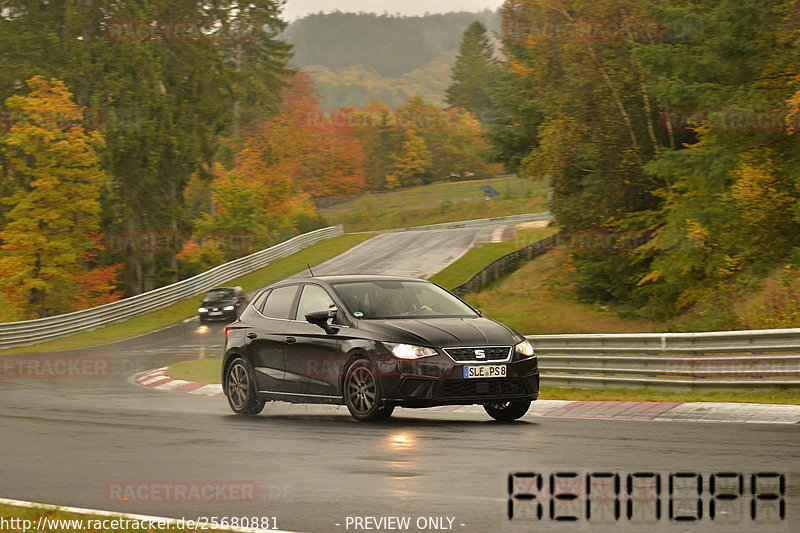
(284, 161)
(51, 232)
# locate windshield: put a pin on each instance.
(400, 299)
(224, 294)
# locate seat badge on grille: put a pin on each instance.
(480, 354)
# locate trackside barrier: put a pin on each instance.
(473, 223)
(671, 361)
(505, 265)
(32, 331)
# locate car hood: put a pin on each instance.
(443, 332)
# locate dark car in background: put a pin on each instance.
(374, 343)
(222, 303)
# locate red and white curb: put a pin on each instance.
(497, 234)
(757, 413)
(157, 379)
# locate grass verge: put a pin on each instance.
(183, 309)
(197, 370)
(539, 299)
(434, 204)
(782, 396)
(429, 196)
(208, 371)
(479, 257)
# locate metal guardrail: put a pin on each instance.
(671, 361)
(667, 361)
(475, 222)
(504, 265)
(31, 331)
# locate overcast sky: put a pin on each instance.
(299, 8)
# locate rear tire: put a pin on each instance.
(240, 388)
(508, 411)
(362, 393)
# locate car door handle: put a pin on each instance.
(290, 340)
(252, 335)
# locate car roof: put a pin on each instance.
(342, 278)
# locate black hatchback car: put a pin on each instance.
(222, 303)
(374, 343)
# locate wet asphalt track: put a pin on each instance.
(419, 254)
(72, 441)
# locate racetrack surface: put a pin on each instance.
(419, 254)
(78, 440)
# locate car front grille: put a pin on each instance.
(469, 355)
(470, 388)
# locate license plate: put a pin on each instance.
(215, 313)
(485, 371)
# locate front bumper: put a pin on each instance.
(225, 315)
(439, 381)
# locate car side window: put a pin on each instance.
(314, 298)
(279, 302)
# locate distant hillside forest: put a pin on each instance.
(354, 57)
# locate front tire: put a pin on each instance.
(362, 393)
(240, 388)
(508, 411)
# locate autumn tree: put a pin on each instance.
(453, 142)
(164, 103)
(52, 230)
(411, 164)
(237, 227)
(673, 122)
(376, 127)
(285, 160)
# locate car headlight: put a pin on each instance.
(524, 348)
(228, 308)
(202, 310)
(407, 351)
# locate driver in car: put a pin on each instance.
(397, 306)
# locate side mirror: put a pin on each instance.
(480, 313)
(320, 318)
